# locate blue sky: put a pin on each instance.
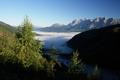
(47, 12)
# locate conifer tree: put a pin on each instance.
(28, 48)
(76, 66)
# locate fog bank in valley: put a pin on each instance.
(56, 39)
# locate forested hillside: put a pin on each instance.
(99, 46)
(22, 58)
(6, 27)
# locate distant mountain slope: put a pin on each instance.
(81, 25)
(99, 46)
(7, 27)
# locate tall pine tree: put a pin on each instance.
(28, 48)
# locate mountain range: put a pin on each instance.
(77, 25)
(80, 25)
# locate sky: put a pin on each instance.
(47, 12)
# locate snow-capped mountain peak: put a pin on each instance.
(82, 25)
(75, 22)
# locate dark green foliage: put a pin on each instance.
(95, 75)
(51, 62)
(53, 54)
(76, 66)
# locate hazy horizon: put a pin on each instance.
(47, 12)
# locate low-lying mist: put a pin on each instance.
(56, 40)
